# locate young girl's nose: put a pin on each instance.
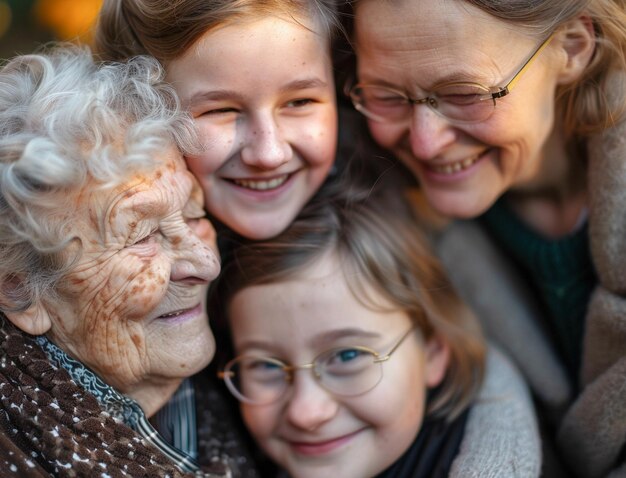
(265, 146)
(429, 133)
(309, 405)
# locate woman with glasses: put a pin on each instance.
(507, 113)
(353, 356)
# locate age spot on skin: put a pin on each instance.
(137, 340)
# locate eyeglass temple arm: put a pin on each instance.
(384, 358)
(505, 90)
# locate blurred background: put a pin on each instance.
(27, 24)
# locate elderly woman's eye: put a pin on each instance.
(145, 239)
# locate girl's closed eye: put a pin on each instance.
(225, 110)
(300, 102)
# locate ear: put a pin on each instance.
(437, 357)
(34, 321)
(578, 40)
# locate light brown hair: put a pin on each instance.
(166, 29)
(379, 245)
(584, 105)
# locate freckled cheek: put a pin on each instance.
(318, 146)
(219, 145)
(144, 292)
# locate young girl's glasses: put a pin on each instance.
(344, 371)
(461, 102)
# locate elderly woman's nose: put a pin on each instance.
(265, 145)
(195, 259)
(429, 133)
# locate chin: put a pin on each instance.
(266, 229)
(460, 207)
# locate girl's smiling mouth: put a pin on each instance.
(322, 447)
(262, 184)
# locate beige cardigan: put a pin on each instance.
(592, 426)
(593, 432)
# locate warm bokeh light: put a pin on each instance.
(26, 25)
(68, 19)
(5, 17)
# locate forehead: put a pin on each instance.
(152, 192)
(440, 36)
(254, 55)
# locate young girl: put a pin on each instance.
(257, 78)
(354, 357)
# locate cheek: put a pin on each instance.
(145, 291)
(386, 135)
(317, 139)
(135, 288)
(218, 143)
(260, 421)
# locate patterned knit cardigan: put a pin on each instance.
(51, 426)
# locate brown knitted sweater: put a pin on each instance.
(51, 426)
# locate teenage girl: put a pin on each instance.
(257, 78)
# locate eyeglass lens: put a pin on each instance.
(458, 101)
(344, 371)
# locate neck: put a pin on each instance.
(552, 204)
(153, 396)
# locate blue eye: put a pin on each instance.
(346, 355)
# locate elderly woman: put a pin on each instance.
(105, 262)
(498, 109)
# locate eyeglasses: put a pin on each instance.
(461, 102)
(343, 371)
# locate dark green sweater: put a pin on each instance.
(560, 271)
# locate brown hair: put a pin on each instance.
(167, 29)
(584, 103)
(380, 246)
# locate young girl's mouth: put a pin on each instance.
(262, 184)
(322, 447)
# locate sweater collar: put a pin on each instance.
(120, 407)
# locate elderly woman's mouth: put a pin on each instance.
(181, 315)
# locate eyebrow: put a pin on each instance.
(223, 94)
(454, 77)
(304, 84)
(319, 340)
(348, 332)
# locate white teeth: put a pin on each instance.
(172, 314)
(455, 167)
(261, 185)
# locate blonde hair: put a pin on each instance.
(166, 29)
(379, 245)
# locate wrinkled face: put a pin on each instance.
(263, 98)
(133, 306)
(309, 431)
(463, 168)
